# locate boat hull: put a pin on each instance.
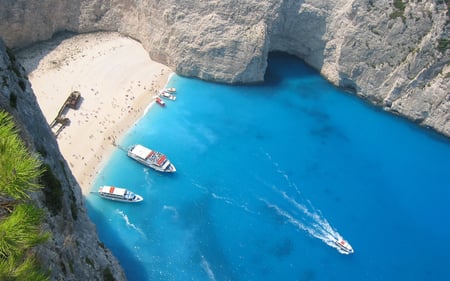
(170, 90)
(160, 101)
(119, 194)
(168, 168)
(136, 200)
(167, 95)
(344, 247)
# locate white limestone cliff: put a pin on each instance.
(391, 53)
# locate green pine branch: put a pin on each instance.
(20, 221)
(18, 168)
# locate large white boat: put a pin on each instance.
(344, 246)
(151, 158)
(118, 194)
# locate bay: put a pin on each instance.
(268, 176)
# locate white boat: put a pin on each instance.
(118, 194)
(151, 158)
(170, 90)
(344, 246)
(167, 95)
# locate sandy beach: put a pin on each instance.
(117, 81)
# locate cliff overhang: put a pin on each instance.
(393, 54)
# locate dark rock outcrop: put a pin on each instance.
(74, 251)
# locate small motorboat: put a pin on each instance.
(167, 95)
(160, 101)
(170, 90)
(343, 246)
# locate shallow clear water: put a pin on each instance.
(268, 175)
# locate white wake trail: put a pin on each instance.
(128, 223)
(310, 219)
(314, 225)
(290, 218)
(233, 203)
(207, 268)
(172, 209)
(320, 223)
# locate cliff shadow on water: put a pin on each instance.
(114, 242)
(281, 66)
(299, 30)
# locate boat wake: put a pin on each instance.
(232, 202)
(128, 223)
(173, 210)
(310, 222)
(302, 213)
(224, 199)
(207, 268)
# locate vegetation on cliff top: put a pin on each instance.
(20, 220)
(399, 10)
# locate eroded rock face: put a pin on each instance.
(74, 251)
(391, 56)
(394, 54)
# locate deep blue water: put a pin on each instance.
(267, 175)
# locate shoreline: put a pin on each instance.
(117, 81)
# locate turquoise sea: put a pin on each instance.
(268, 175)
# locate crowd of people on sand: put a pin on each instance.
(115, 78)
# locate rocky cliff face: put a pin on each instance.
(395, 57)
(394, 54)
(74, 251)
